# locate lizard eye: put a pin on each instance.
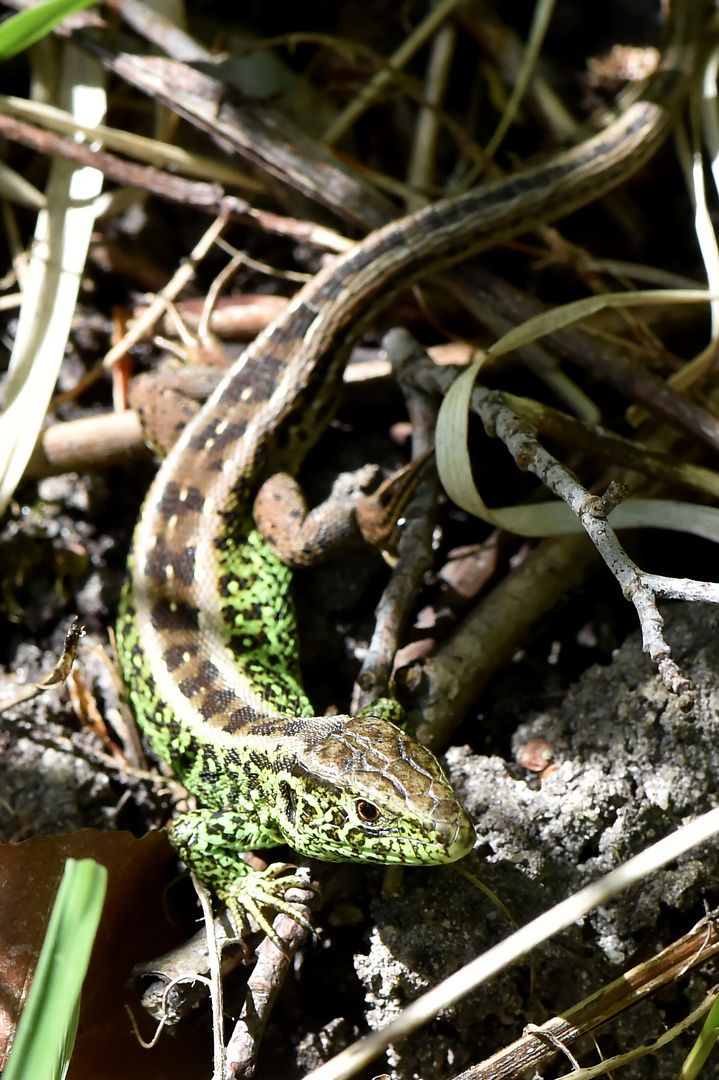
(367, 810)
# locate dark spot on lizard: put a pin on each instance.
(191, 686)
(240, 719)
(167, 616)
(174, 657)
(172, 503)
(216, 701)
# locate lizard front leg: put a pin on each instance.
(212, 842)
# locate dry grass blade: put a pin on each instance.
(354, 110)
(62, 238)
(540, 23)
(17, 189)
(558, 918)
(151, 151)
(551, 519)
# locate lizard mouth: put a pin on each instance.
(463, 840)
(445, 843)
(456, 838)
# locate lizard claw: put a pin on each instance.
(250, 894)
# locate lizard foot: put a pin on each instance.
(253, 892)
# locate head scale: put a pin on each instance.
(365, 791)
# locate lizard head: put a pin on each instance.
(365, 791)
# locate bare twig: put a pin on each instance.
(415, 545)
(608, 1066)
(443, 687)
(263, 986)
(261, 135)
(641, 588)
(638, 586)
(210, 197)
(191, 192)
(92, 442)
(157, 308)
(634, 455)
(179, 976)
(421, 168)
(57, 674)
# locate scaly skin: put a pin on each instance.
(206, 633)
(336, 788)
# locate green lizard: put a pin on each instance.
(206, 633)
(207, 642)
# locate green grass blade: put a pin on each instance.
(24, 29)
(46, 1032)
(702, 1048)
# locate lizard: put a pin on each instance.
(206, 631)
